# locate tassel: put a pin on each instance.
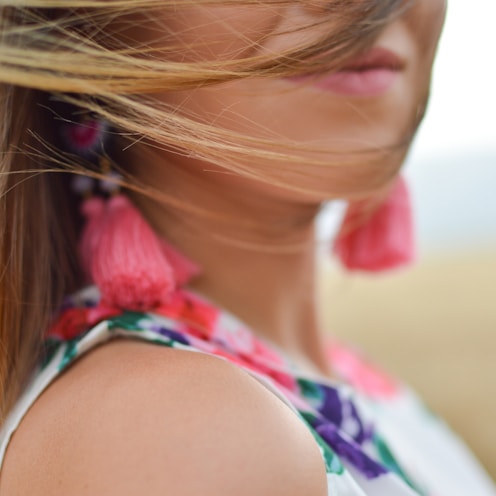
(183, 268)
(127, 263)
(93, 209)
(383, 242)
(120, 253)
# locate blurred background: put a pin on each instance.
(434, 325)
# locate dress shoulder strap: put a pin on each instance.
(40, 380)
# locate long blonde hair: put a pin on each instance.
(61, 50)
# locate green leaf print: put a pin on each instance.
(70, 353)
(50, 348)
(387, 458)
(131, 321)
(311, 391)
(332, 461)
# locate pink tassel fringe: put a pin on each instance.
(93, 209)
(128, 264)
(385, 241)
(183, 268)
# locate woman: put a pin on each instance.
(227, 124)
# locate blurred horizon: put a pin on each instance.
(452, 164)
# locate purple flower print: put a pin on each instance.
(343, 413)
(332, 408)
(350, 451)
(169, 333)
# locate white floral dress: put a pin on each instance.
(375, 436)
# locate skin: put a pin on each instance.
(245, 270)
(108, 427)
(76, 427)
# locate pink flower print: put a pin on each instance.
(268, 354)
(191, 310)
(230, 333)
(101, 312)
(361, 374)
(285, 380)
(236, 360)
(73, 322)
(279, 373)
(69, 324)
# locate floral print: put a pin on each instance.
(364, 376)
(374, 435)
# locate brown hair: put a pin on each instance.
(64, 50)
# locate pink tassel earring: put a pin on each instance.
(127, 263)
(385, 241)
(119, 250)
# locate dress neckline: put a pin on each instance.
(84, 309)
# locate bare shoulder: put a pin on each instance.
(131, 418)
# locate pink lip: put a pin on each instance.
(371, 74)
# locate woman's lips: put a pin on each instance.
(371, 74)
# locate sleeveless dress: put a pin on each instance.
(375, 436)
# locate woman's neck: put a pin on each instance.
(258, 261)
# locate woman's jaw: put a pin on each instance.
(367, 118)
(366, 113)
